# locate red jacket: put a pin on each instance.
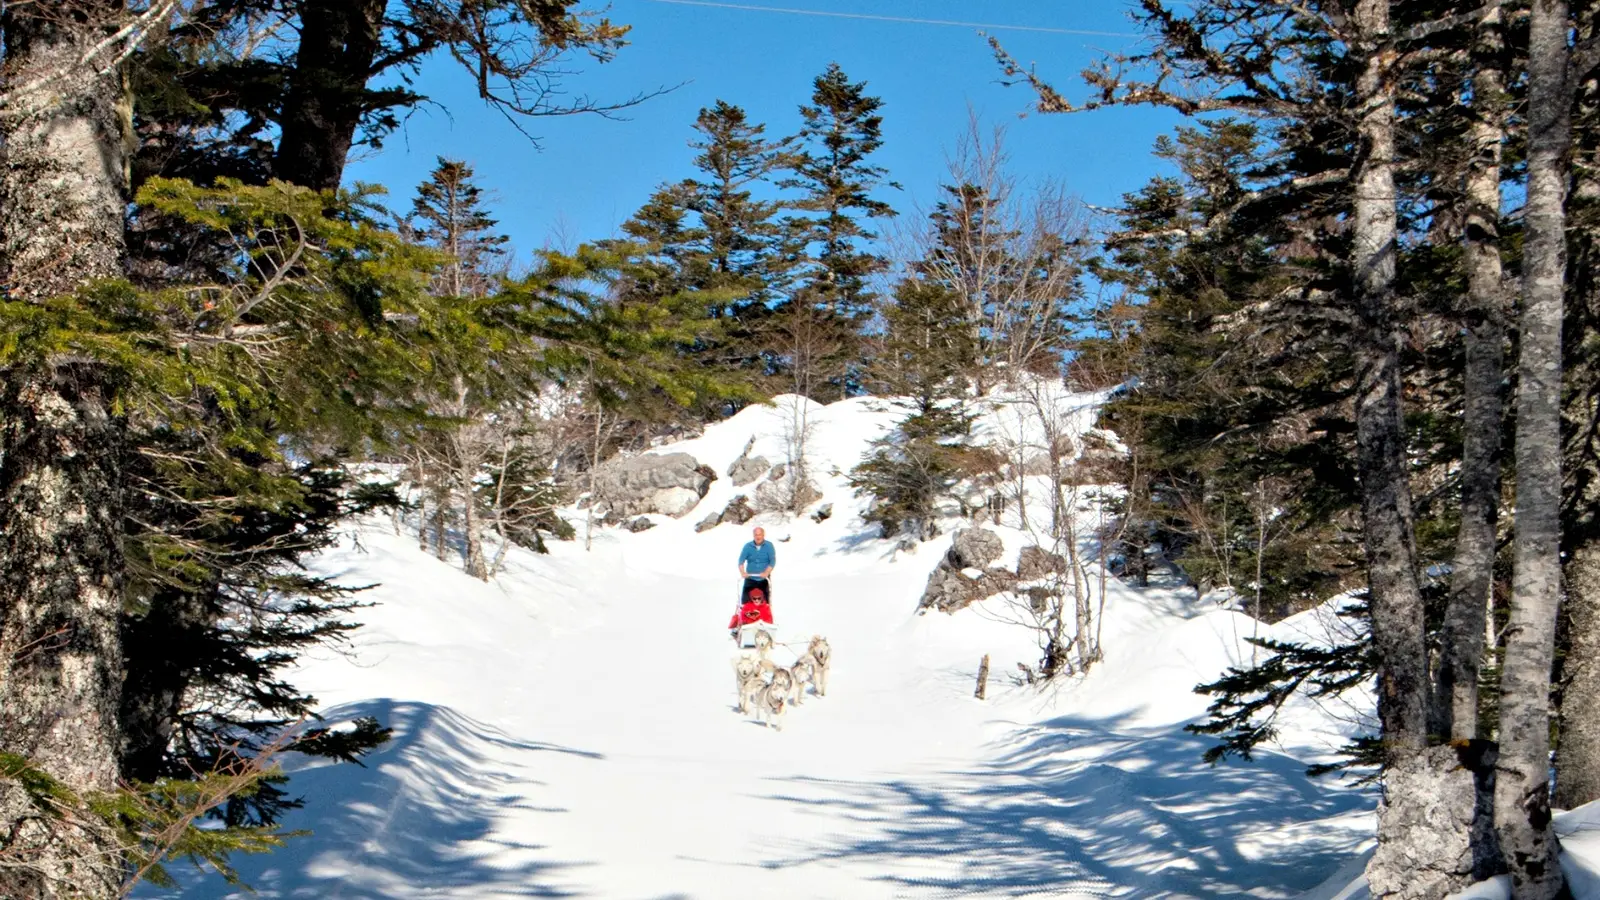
(750, 613)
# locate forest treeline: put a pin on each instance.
(1351, 338)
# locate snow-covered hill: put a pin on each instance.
(568, 730)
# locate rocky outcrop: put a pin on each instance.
(747, 468)
(640, 524)
(669, 484)
(974, 548)
(1439, 805)
(964, 576)
(823, 513)
(737, 512)
(1035, 562)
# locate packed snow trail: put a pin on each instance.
(568, 731)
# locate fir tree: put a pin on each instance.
(714, 236)
(448, 214)
(841, 129)
(925, 351)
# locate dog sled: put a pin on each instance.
(753, 616)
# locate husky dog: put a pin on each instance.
(745, 667)
(750, 690)
(822, 653)
(782, 679)
(770, 703)
(803, 672)
(763, 644)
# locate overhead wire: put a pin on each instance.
(1040, 29)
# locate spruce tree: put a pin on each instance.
(841, 128)
(720, 236)
(448, 214)
(921, 362)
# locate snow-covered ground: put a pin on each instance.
(568, 730)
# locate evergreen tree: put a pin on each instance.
(448, 214)
(714, 236)
(922, 359)
(483, 373)
(841, 129)
(207, 110)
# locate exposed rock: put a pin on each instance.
(670, 484)
(823, 513)
(974, 548)
(708, 523)
(1035, 562)
(778, 471)
(640, 524)
(738, 511)
(964, 576)
(747, 468)
(1436, 801)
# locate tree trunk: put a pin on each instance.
(158, 674)
(63, 169)
(1578, 747)
(1472, 573)
(339, 40)
(475, 564)
(1387, 524)
(1522, 796)
(1578, 753)
(60, 597)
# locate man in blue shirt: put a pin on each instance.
(755, 565)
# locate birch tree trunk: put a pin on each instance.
(1472, 572)
(1387, 522)
(1522, 797)
(1388, 531)
(62, 177)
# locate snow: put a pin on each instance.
(568, 730)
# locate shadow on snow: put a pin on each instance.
(418, 820)
(1079, 807)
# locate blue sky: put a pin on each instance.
(592, 173)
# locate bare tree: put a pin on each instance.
(1011, 252)
(1058, 606)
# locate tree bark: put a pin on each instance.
(1472, 572)
(1578, 747)
(1522, 797)
(339, 40)
(158, 675)
(60, 597)
(1387, 521)
(1578, 753)
(474, 561)
(62, 180)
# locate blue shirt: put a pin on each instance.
(758, 559)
